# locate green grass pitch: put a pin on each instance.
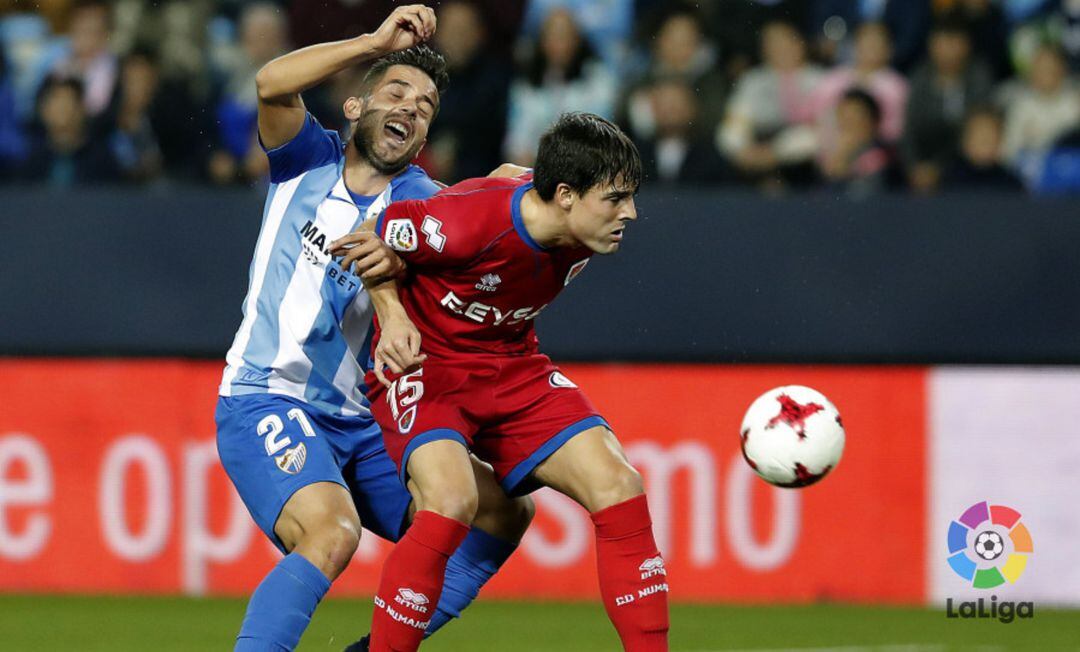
(118, 624)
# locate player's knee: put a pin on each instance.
(460, 505)
(619, 483)
(332, 543)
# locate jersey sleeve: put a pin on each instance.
(441, 231)
(312, 147)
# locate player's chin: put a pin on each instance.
(605, 248)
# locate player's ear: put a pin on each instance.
(352, 108)
(565, 196)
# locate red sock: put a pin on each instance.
(412, 581)
(633, 582)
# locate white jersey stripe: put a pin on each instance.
(279, 203)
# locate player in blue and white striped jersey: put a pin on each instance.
(295, 433)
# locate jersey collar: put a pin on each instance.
(515, 214)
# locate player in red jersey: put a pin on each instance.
(484, 258)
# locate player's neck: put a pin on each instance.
(545, 221)
(361, 178)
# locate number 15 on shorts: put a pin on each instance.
(402, 397)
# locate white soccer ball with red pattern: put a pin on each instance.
(792, 436)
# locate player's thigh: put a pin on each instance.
(592, 469)
(497, 514)
(271, 449)
(441, 479)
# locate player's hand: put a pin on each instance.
(365, 254)
(403, 28)
(398, 348)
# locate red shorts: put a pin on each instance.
(512, 412)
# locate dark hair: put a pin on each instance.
(60, 81)
(667, 14)
(584, 150)
(953, 23)
(867, 100)
(421, 57)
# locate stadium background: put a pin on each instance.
(920, 274)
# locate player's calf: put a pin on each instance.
(592, 469)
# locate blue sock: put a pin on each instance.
(478, 557)
(280, 609)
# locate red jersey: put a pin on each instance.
(476, 279)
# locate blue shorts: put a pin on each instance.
(272, 445)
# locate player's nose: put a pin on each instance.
(629, 213)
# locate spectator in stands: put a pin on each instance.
(12, 142)
(989, 32)
(871, 72)
(858, 164)
(767, 127)
(680, 49)
(834, 21)
(677, 152)
(943, 90)
(466, 140)
(606, 24)
(66, 151)
(238, 156)
(135, 141)
(980, 164)
(1070, 32)
(1046, 109)
(90, 60)
(562, 75)
(736, 28)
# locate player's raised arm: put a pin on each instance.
(280, 82)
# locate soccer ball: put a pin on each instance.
(989, 545)
(792, 436)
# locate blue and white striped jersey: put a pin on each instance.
(307, 323)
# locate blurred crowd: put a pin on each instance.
(854, 96)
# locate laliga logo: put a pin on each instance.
(989, 546)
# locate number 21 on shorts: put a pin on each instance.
(402, 397)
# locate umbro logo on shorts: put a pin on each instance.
(292, 460)
(558, 380)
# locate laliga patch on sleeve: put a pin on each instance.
(401, 235)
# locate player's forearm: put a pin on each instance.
(385, 299)
(297, 71)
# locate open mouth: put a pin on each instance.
(397, 131)
(617, 234)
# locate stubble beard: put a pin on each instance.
(367, 130)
